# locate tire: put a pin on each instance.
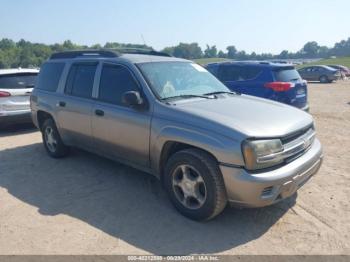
(324, 79)
(54, 145)
(208, 187)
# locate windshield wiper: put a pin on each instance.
(187, 96)
(222, 92)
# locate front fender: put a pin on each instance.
(225, 150)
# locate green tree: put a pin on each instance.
(210, 51)
(183, 50)
(221, 54)
(284, 54)
(311, 49)
(241, 55)
(231, 51)
(7, 44)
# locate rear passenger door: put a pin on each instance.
(119, 131)
(315, 73)
(243, 79)
(75, 105)
(229, 75)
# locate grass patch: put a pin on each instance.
(204, 61)
(345, 61)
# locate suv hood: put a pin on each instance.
(251, 116)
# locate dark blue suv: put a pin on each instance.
(278, 82)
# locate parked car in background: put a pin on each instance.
(171, 118)
(278, 82)
(322, 73)
(16, 86)
(343, 69)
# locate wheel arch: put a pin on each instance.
(173, 140)
(171, 147)
(42, 116)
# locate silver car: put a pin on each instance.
(322, 73)
(16, 86)
(173, 119)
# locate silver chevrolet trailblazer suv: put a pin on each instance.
(171, 118)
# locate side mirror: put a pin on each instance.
(132, 99)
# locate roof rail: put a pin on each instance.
(141, 51)
(84, 53)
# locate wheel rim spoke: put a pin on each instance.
(189, 186)
(185, 173)
(51, 142)
(199, 197)
(199, 179)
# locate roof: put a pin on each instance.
(338, 66)
(131, 56)
(323, 66)
(17, 70)
(253, 63)
(137, 58)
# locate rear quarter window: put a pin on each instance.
(18, 81)
(49, 76)
(286, 75)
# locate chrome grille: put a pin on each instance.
(299, 145)
(293, 148)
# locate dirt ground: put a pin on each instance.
(85, 204)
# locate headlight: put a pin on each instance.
(260, 154)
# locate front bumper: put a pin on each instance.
(13, 117)
(262, 189)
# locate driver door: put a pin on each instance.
(119, 131)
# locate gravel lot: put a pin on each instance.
(85, 204)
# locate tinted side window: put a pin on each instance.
(115, 81)
(249, 72)
(229, 73)
(81, 80)
(17, 81)
(212, 69)
(239, 73)
(50, 74)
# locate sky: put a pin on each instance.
(268, 26)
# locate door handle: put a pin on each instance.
(99, 112)
(61, 104)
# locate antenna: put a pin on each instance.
(143, 39)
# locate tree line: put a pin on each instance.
(310, 50)
(26, 54)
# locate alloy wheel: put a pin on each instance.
(189, 187)
(50, 139)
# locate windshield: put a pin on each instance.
(174, 79)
